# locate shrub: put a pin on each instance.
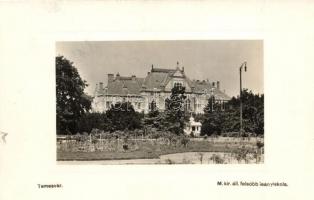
(224, 135)
(169, 161)
(125, 147)
(242, 154)
(217, 159)
(201, 157)
(184, 141)
(259, 144)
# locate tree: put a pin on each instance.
(253, 111)
(89, 121)
(72, 103)
(213, 123)
(153, 118)
(175, 113)
(122, 116)
(217, 121)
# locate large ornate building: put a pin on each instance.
(154, 89)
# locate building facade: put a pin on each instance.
(155, 88)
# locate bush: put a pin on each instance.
(259, 144)
(242, 154)
(217, 159)
(125, 147)
(169, 161)
(184, 141)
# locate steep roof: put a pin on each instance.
(205, 86)
(122, 85)
(155, 80)
(221, 95)
(158, 78)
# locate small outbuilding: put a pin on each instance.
(193, 127)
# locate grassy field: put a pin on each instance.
(149, 150)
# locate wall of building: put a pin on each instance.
(141, 103)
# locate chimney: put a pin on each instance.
(101, 87)
(218, 85)
(152, 68)
(118, 76)
(110, 78)
(133, 77)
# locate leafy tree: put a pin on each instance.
(174, 113)
(89, 121)
(213, 123)
(72, 103)
(253, 111)
(122, 116)
(216, 121)
(153, 119)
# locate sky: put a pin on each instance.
(215, 60)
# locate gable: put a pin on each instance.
(182, 80)
(178, 73)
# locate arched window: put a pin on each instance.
(167, 104)
(152, 106)
(187, 105)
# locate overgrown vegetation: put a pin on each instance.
(216, 121)
(81, 147)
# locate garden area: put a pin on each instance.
(106, 146)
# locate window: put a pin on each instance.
(166, 103)
(193, 128)
(179, 85)
(152, 106)
(139, 105)
(187, 105)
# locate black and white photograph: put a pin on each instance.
(160, 102)
(156, 100)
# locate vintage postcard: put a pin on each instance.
(156, 100)
(134, 102)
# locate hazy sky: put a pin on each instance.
(206, 59)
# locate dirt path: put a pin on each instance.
(177, 158)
